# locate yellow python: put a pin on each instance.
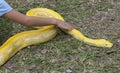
(42, 34)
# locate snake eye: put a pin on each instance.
(108, 45)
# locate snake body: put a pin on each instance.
(42, 34)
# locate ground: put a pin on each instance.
(64, 54)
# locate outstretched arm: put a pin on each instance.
(36, 21)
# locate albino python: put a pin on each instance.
(42, 34)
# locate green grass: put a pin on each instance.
(64, 54)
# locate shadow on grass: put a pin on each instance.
(5, 30)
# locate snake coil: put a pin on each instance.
(42, 34)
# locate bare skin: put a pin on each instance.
(36, 21)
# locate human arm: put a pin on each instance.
(36, 21)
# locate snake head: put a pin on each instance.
(104, 43)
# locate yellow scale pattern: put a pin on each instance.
(42, 34)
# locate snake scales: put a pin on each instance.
(42, 34)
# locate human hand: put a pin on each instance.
(64, 25)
